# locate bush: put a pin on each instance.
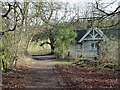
(109, 52)
(111, 66)
(63, 38)
(87, 62)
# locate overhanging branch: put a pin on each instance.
(45, 43)
(106, 13)
(12, 29)
(10, 8)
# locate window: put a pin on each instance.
(93, 46)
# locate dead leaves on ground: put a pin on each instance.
(71, 76)
(15, 79)
(66, 76)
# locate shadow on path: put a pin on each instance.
(48, 57)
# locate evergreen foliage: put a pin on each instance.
(63, 38)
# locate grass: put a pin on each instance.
(35, 49)
(63, 62)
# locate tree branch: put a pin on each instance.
(12, 29)
(108, 14)
(111, 25)
(10, 8)
(45, 43)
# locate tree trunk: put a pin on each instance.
(52, 43)
(52, 49)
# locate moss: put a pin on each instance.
(4, 63)
(81, 62)
(13, 69)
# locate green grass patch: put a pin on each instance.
(57, 62)
(35, 49)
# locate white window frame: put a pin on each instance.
(94, 47)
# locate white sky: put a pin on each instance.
(112, 7)
(83, 2)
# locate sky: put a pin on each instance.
(83, 2)
(72, 1)
(112, 7)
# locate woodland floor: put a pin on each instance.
(44, 73)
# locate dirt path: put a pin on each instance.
(39, 74)
(42, 75)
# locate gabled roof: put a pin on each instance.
(111, 32)
(80, 34)
(107, 32)
(89, 31)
